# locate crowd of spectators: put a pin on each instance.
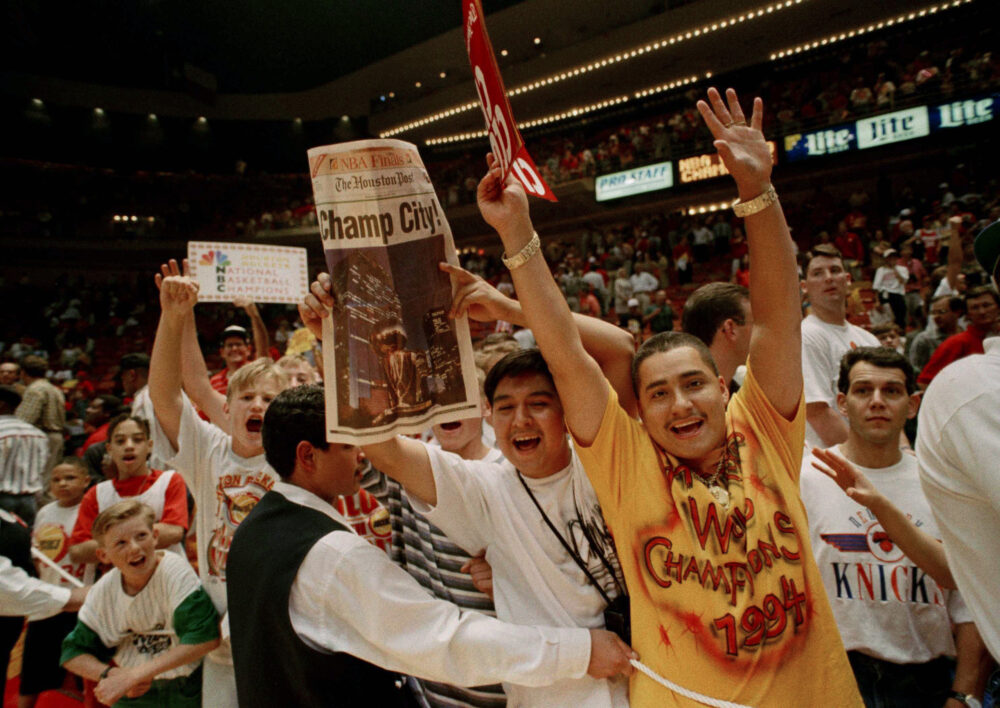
(908, 252)
(838, 84)
(843, 84)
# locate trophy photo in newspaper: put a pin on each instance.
(398, 363)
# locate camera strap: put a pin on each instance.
(573, 554)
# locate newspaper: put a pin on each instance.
(398, 363)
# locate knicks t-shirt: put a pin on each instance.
(728, 603)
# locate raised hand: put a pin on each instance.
(171, 268)
(504, 205)
(609, 655)
(314, 307)
(178, 293)
(477, 298)
(848, 477)
(741, 145)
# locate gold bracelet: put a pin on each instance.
(759, 203)
(521, 257)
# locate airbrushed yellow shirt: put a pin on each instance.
(726, 603)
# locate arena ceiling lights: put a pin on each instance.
(571, 113)
(857, 31)
(610, 60)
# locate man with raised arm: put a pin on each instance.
(506, 507)
(225, 470)
(702, 499)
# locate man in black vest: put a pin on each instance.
(349, 608)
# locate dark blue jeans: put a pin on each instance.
(884, 684)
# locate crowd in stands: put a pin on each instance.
(181, 497)
(631, 276)
(839, 84)
(842, 85)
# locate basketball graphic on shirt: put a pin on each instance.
(51, 540)
(240, 505)
(881, 546)
(379, 523)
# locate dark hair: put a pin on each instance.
(119, 419)
(525, 361)
(134, 360)
(979, 291)
(74, 461)
(295, 414)
(34, 366)
(955, 303)
(822, 250)
(885, 328)
(710, 306)
(110, 404)
(665, 342)
(882, 357)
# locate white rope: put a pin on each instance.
(707, 700)
(38, 555)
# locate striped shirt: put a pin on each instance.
(423, 550)
(43, 405)
(24, 450)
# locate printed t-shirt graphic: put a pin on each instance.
(725, 602)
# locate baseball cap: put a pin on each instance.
(633, 302)
(234, 331)
(987, 247)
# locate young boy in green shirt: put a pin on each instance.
(147, 623)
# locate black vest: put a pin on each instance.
(274, 667)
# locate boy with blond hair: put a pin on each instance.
(146, 624)
(224, 469)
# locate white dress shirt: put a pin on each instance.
(21, 595)
(349, 597)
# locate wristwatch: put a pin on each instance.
(965, 698)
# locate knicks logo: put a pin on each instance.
(51, 540)
(875, 541)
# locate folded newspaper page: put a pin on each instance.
(398, 364)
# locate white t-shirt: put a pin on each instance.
(50, 534)
(886, 282)
(142, 406)
(823, 345)
(141, 625)
(225, 487)
(535, 581)
(884, 605)
(958, 447)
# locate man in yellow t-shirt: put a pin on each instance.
(702, 499)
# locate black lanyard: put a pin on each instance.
(573, 554)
